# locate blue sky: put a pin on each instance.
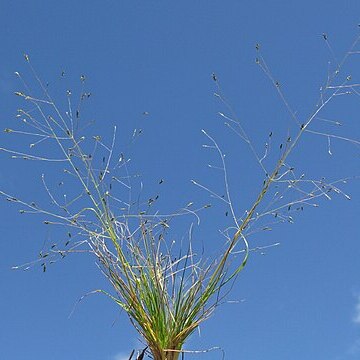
(301, 300)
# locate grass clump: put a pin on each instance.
(166, 291)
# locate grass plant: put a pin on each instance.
(166, 291)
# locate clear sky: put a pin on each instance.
(300, 300)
